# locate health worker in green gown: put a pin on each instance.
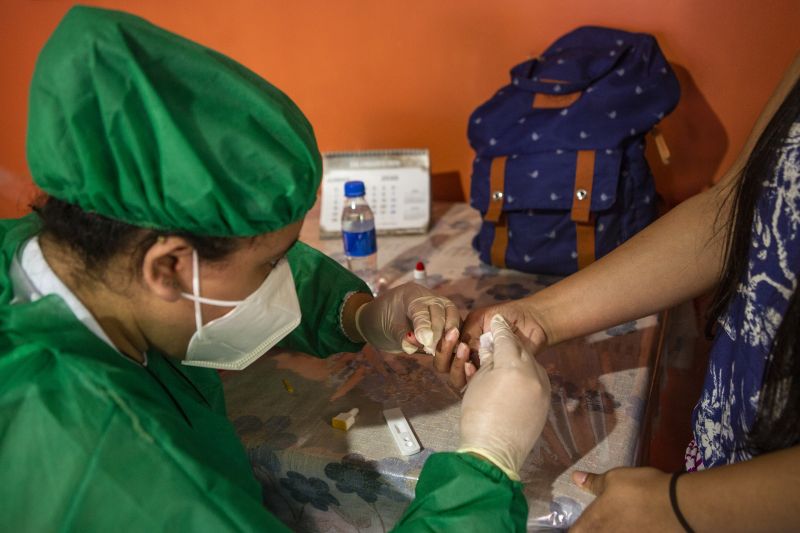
(165, 248)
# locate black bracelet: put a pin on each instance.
(673, 499)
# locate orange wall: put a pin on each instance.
(377, 74)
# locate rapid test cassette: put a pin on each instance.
(401, 432)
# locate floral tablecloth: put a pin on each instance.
(317, 478)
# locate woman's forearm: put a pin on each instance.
(762, 494)
(674, 259)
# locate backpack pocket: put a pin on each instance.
(555, 212)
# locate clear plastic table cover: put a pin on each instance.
(317, 478)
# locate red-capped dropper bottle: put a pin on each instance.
(420, 275)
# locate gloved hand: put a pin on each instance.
(386, 321)
(506, 403)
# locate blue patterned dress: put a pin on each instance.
(729, 402)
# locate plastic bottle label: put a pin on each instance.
(359, 244)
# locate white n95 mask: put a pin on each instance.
(252, 327)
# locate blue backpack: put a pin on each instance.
(560, 175)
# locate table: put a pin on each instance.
(317, 478)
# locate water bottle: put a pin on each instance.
(358, 235)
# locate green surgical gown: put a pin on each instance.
(91, 441)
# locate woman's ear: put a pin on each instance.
(167, 268)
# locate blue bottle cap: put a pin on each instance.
(353, 189)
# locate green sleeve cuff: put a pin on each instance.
(459, 491)
(321, 285)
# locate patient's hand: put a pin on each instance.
(522, 318)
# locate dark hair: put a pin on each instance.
(96, 238)
(777, 424)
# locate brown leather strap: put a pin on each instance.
(581, 207)
(500, 242)
(497, 180)
(661, 145)
(582, 193)
(494, 213)
(585, 237)
(554, 101)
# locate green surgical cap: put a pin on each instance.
(140, 125)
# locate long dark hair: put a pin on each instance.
(777, 424)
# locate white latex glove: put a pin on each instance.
(506, 403)
(385, 321)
